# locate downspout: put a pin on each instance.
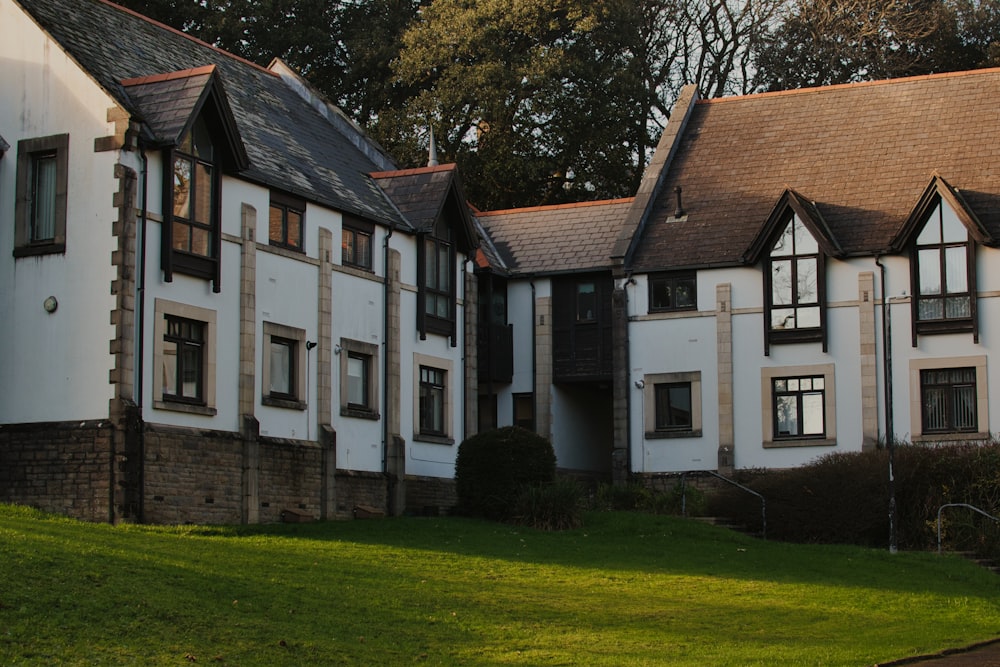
(534, 360)
(140, 333)
(890, 435)
(465, 360)
(385, 348)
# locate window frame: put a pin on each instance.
(918, 434)
(798, 394)
(523, 401)
(438, 244)
(369, 352)
(672, 279)
(796, 334)
(28, 153)
(284, 205)
(295, 338)
(351, 229)
(444, 366)
(186, 261)
(943, 324)
(163, 310)
(649, 384)
(768, 406)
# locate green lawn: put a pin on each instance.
(625, 590)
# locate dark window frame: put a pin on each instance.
(183, 343)
(351, 254)
(366, 369)
(796, 334)
(943, 324)
(293, 364)
(186, 261)
(672, 280)
(431, 294)
(286, 205)
(433, 381)
(666, 425)
(798, 394)
(29, 152)
(950, 391)
(524, 400)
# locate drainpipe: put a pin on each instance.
(385, 348)
(140, 335)
(890, 435)
(534, 359)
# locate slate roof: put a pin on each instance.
(289, 144)
(425, 194)
(556, 239)
(861, 154)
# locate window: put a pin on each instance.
(672, 405)
(284, 370)
(184, 358)
(356, 243)
(40, 202)
(798, 405)
(285, 222)
(672, 291)
(948, 399)
(524, 411)
(943, 258)
(586, 302)
(432, 389)
(432, 403)
(436, 270)
(358, 379)
(794, 269)
(191, 228)
(948, 396)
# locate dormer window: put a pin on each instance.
(943, 257)
(437, 283)
(193, 215)
(794, 270)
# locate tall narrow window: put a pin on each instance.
(794, 277)
(182, 373)
(942, 270)
(357, 381)
(586, 302)
(285, 221)
(799, 407)
(436, 264)
(40, 203)
(359, 395)
(193, 225)
(432, 401)
(524, 411)
(948, 399)
(283, 362)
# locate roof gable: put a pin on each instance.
(790, 203)
(863, 152)
(170, 103)
(938, 190)
(429, 195)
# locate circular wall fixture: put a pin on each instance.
(50, 304)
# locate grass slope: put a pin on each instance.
(625, 590)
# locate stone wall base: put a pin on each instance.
(430, 496)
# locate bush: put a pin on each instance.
(494, 467)
(844, 498)
(554, 506)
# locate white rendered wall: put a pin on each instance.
(54, 367)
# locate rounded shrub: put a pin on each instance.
(494, 467)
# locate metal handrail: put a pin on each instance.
(967, 506)
(763, 502)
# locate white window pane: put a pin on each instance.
(783, 318)
(929, 260)
(168, 373)
(807, 318)
(931, 233)
(784, 245)
(812, 414)
(781, 282)
(953, 231)
(356, 381)
(786, 415)
(956, 276)
(805, 244)
(43, 223)
(957, 307)
(281, 368)
(806, 284)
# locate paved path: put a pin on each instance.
(986, 654)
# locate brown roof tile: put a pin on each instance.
(864, 153)
(556, 239)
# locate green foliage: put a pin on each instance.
(844, 498)
(636, 496)
(554, 506)
(493, 468)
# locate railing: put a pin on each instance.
(965, 505)
(763, 502)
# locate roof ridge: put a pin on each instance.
(856, 84)
(164, 26)
(553, 207)
(451, 166)
(168, 76)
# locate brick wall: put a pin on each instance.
(428, 496)
(63, 467)
(290, 477)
